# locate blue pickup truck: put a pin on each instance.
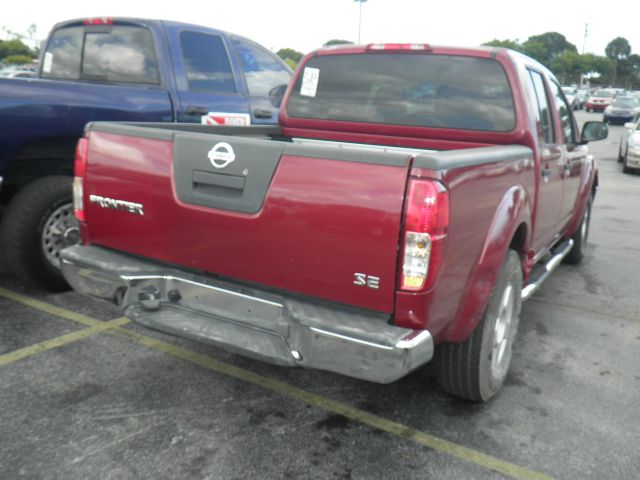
(114, 69)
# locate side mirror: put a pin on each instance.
(593, 131)
(278, 91)
(629, 125)
(276, 94)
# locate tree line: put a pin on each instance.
(618, 68)
(16, 52)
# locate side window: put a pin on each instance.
(125, 54)
(62, 58)
(544, 113)
(261, 70)
(206, 63)
(566, 120)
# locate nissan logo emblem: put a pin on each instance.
(221, 155)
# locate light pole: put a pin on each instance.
(360, 17)
(584, 42)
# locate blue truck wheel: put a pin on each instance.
(37, 225)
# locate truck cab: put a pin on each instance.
(116, 69)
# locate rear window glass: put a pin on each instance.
(405, 89)
(627, 102)
(63, 55)
(118, 54)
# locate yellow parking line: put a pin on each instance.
(59, 341)
(403, 431)
(48, 308)
(398, 429)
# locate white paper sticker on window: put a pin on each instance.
(48, 60)
(310, 82)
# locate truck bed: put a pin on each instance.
(292, 217)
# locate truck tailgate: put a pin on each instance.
(295, 218)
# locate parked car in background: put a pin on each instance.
(15, 71)
(599, 100)
(571, 95)
(121, 70)
(622, 110)
(629, 148)
(583, 96)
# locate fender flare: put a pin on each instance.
(514, 213)
(589, 183)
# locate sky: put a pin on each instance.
(305, 25)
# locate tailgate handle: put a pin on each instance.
(217, 184)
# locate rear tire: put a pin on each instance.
(38, 224)
(580, 236)
(625, 168)
(475, 369)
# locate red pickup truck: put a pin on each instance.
(410, 199)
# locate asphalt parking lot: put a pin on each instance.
(86, 394)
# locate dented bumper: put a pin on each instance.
(274, 328)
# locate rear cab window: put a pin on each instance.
(108, 53)
(432, 90)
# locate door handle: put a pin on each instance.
(263, 114)
(196, 110)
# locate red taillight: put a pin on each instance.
(80, 163)
(98, 21)
(425, 233)
(80, 169)
(398, 46)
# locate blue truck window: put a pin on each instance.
(62, 58)
(262, 72)
(122, 54)
(206, 63)
(125, 54)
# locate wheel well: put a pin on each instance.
(36, 160)
(519, 238)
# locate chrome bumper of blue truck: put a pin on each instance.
(274, 328)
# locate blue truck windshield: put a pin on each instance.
(447, 91)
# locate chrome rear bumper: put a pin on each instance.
(276, 329)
